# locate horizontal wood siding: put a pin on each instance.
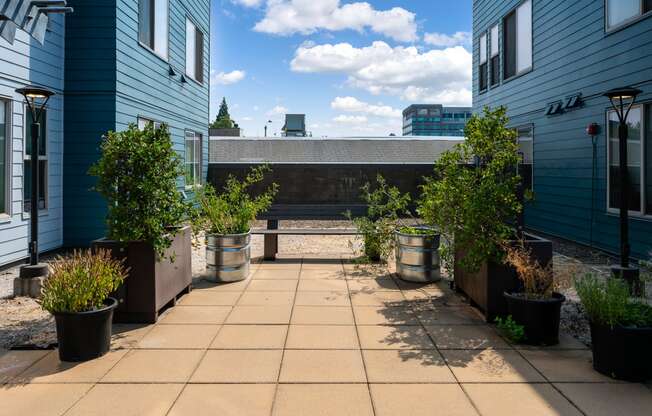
(572, 54)
(23, 63)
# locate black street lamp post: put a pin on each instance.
(622, 100)
(36, 98)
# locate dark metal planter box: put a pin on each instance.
(485, 288)
(151, 284)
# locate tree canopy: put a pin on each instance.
(223, 119)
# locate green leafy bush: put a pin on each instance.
(418, 231)
(475, 206)
(137, 175)
(385, 205)
(81, 282)
(607, 302)
(233, 210)
(508, 328)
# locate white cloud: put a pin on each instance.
(442, 40)
(344, 119)
(406, 72)
(248, 3)
(277, 111)
(287, 17)
(228, 78)
(353, 105)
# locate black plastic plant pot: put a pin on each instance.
(539, 317)
(86, 335)
(622, 353)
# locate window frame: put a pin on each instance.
(529, 69)
(529, 126)
(44, 158)
(6, 210)
(157, 123)
(625, 23)
(198, 79)
(642, 214)
(483, 78)
(494, 58)
(199, 138)
(152, 48)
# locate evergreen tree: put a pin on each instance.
(223, 119)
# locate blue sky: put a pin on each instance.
(350, 66)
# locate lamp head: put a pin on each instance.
(626, 93)
(35, 93)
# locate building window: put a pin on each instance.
(193, 158)
(153, 25)
(639, 160)
(483, 63)
(42, 163)
(526, 153)
(5, 173)
(517, 40)
(620, 12)
(143, 122)
(495, 56)
(194, 52)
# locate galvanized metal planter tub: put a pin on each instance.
(228, 257)
(417, 257)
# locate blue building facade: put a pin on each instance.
(132, 61)
(25, 61)
(435, 120)
(549, 62)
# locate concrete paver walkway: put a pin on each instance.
(317, 337)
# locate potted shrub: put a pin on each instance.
(473, 200)
(385, 205)
(138, 175)
(621, 328)
(537, 307)
(226, 219)
(77, 292)
(417, 254)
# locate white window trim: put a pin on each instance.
(153, 49)
(200, 138)
(641, 15)
(635, 214)
(46, 158)
(6, 211)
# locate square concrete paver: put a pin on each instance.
(210, 298)
(520, 399)
(310, 274)
(127, 400)
(565, 365)
(566, 342)
(40, 399)
(380, 315)
(394, 337)
(466, 337)
(250, 337)
(447, 315)
(373, 285)
(225, 400)
(420, 400)
(50, 370)
(322, 285)
(126, 336)
(323, 400)
(155, 366)
(266, 298)
(609, 399)
(201, 284)
(386, 299)
(238, 366)
(490, 366)
(322, 315)
(322, 366)
(336, 298)
(242, 314)
(179, 337)
(276, 274)
(322, 337)
(196, 315)
(272, 286)
(407, 366)
(13, 363)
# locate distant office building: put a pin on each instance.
(435, 120)
(295, 125)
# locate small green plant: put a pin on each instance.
(417, 231)
(608, 302)
(137, 175)
(81, 282)
(385, 205)
(514, 332)
(233, 210)
(475, 207)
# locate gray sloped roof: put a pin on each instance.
(357, 150)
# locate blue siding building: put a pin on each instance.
(132, 61)
(549, 62)
(25, 61)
